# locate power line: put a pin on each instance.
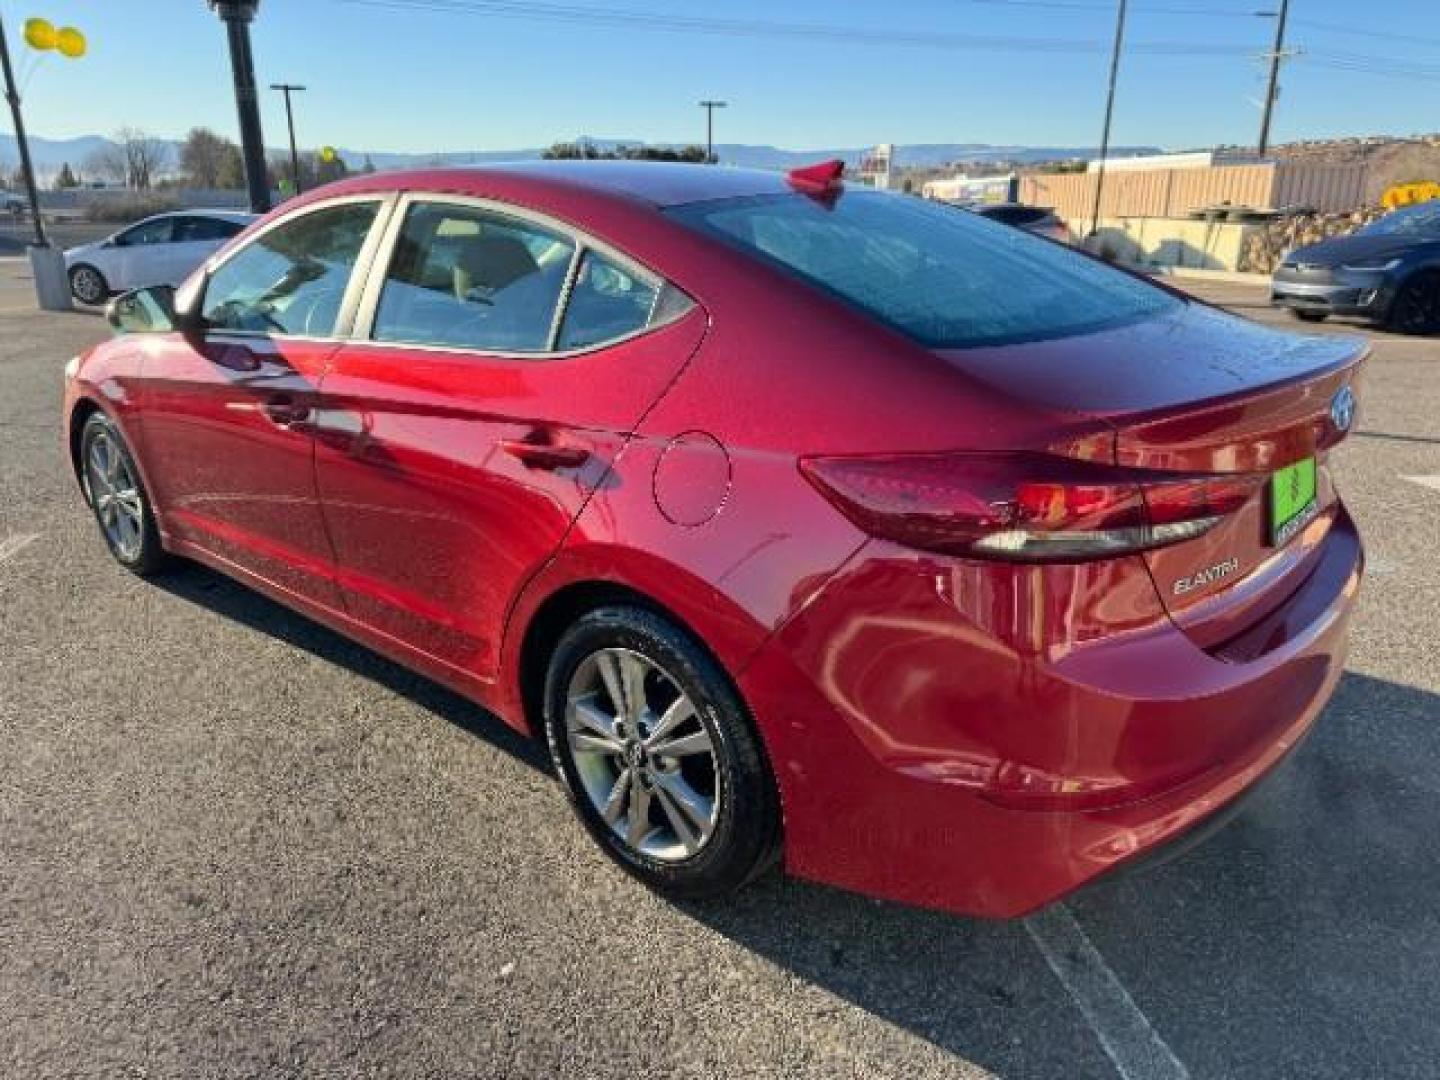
(1356, 31)
(630, 18)
(700, 25)
(1080, 5)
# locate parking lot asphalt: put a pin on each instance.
(234, 844)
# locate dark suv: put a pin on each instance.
(1387, 271)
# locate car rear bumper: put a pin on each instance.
(924, 763)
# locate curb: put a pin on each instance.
(1193, 273)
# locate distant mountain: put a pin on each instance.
(50, 154)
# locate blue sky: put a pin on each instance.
(388, 76)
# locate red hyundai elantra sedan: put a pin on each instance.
(804, 522)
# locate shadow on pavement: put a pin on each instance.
(1302, 940)
(219, 594)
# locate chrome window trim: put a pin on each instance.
(362, 330)
(364, 261)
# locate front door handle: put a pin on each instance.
(286, 411)
(546, 455)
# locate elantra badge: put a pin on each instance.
(1208, 576)
(1342, 409)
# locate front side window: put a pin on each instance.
(469, 278)
(291, 279)
(154, 231)
(943, 278)
(606, 302)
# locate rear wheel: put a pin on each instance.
(118, 498)
(1309, 315)
(1416, 307)
(658, 754)
(87, 284)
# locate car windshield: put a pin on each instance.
(1421, 221)
(946, 278)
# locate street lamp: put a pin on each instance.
(710, 107)
(237, 16)
(52, 290)
(287, 89)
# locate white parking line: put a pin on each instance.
(12, 545)
(1424, 481)
(1134, 1047)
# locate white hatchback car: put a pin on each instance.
(160, 250)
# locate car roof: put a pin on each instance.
(241, 217)
(659, 183)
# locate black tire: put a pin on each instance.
(88, 285)
(745, 838)
(1309, 315)
(135, 545)
(1416, 307)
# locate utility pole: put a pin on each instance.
(287, 89)
(12, 95)
(1273, 90)
(710, 107)
(237, 16)
(1109, 114)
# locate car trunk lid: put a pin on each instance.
(1201, 392)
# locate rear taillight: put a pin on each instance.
(1024, 506)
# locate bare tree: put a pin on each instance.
(144, 157)
(108, 163)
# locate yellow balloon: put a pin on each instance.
(327, 154)
(70, 42)
(39, 34)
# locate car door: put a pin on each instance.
(473, 412)
(140, 253)
(226, 408)
(196, 237)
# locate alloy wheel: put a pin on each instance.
(87, 285)
(645, 758)
(115, 496)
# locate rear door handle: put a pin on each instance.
(545, 455)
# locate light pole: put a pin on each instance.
(287, 89)
(1272, 91)
(1109, 113)
(710, 107)
(237, 16)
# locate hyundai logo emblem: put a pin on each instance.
(1342, 408)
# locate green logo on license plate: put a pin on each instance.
(1292, 499)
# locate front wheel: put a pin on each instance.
(88, 285)
(1416, 307)
(659, 756)
(1309, 315)
(118, 498)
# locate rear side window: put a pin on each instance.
(204, 228)
(606, 302)
(469, 278)
(291, 279)
(943, 278)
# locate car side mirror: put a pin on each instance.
(144, 311)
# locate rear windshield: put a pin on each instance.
(945, 277)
